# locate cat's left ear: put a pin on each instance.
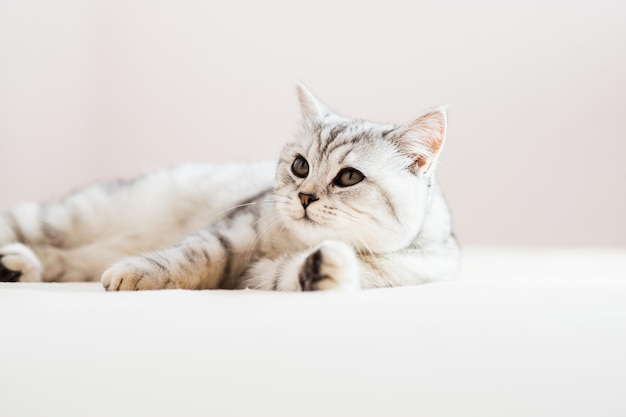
(422, 140)
(313, 110)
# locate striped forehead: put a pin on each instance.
(336, 140)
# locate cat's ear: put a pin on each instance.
(313, 111)
(422, 139)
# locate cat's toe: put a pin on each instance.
(111, 279)
(124, 277)
(121, 278)
(331, 267)
(19, 264)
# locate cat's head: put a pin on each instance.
(357, 181)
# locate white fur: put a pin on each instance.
(18, 257)
(392, 228)
(339, 264)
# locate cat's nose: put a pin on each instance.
(307, 199)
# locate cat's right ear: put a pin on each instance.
(313, 111)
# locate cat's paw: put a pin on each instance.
(333, 266)
(132, 275)
(19, 263)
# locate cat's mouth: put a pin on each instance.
(306, 219)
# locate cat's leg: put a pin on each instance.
(149, 212)
(333, 265)
(209, 259)
(35, 263)
(47, 243)
(83, 263)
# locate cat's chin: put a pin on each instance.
(299, 220)
(305, 225)
(307, 220)
(310, 231)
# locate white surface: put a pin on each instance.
(521, 333)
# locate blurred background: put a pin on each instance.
(535, 152)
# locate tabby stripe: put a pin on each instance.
(201, 243)
(319, 141)
(386, 132)
(287, 181)
(207, 258)
(114, 186)
(156, 263)
(228, 253)
(255, 227)
(344, 155)
(243, 204)
(319, 131)
(341, 144)
(190, 254)
(388, 202)
(364, 213)
(310, 272)
(277, 274)
(332, 136)
(53, 236)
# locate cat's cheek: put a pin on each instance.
(333, 266)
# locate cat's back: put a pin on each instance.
(206, 190)
(165, 203)
(214, 184)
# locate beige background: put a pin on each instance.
(536, 91)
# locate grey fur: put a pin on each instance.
(391, 228)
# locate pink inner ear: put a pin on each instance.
(430, 128)
(422, 139)
(420, 161)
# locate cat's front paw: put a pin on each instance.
(19, 263)
(331, 267)
(132, 275)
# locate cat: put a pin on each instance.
(351, 204)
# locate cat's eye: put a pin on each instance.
(300, 167)
(348, 177)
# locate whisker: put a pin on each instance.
(272, 219)
(253, 203)
(354, 234)
(374, 260)
(365, 213)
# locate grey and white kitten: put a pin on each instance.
(354, 204)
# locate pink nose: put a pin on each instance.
(307, 199)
